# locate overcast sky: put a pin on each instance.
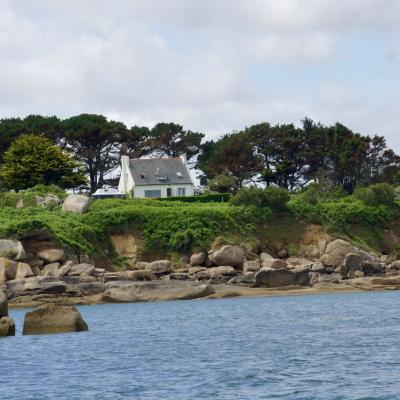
(211, 65)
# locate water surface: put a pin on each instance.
(334, 346)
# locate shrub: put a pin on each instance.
(316, 192)
(275, 198)
(223, 183)
(204, 198)
(377, 194)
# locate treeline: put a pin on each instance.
(285, 155)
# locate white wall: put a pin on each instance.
(138, 191)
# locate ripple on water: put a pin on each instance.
(342, 346)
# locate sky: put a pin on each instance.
(213, 66)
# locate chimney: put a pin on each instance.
(183, 158)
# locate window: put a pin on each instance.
(179, 174)
(181, 191)
(142, 176)
(162, 178)
(152, 193)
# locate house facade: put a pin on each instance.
(155, 177)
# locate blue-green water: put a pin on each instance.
(342, 346)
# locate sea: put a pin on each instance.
(328, 346)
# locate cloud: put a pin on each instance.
(213, 66)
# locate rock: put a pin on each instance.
(333, 278)
(195, 270)
(301, 276)
(141, 265)
(8, 270)
(3, 304)
(64, 270)
(180, 276)
(358, 274)
(80, 269)
(141, 275)
(159, 267)
(336, 251)
(90, 288)
(12, 249)
(116, 276)
(395, 265)
(23, 271)
(7, 327)
(51, 269)
(275, 278)
(318, 267)
(76, 203)
(314, 278)
(248, 279)
(274, 263)
(228, 255)
(265, 256)
(198, 259)
(222, 270)
(202, 275)
(39, 285)
(53, 318)
(371, 268)
(155, 291)
(251, 266)
(283, 253)
(35, 262)
(20, 204)
(51, 255)
(352, 263)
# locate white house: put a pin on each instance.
(155, 177)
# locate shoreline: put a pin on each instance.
(222, 291)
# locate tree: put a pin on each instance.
(223, 184)
(171, 140)
(233, 154)
(33, 160)
(95, 141)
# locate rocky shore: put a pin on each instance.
(43, 274)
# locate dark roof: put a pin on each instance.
(159, 171)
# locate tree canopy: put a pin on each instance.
(34, 160)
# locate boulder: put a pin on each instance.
(371, 268)
(265, 256)
(3, 305)
(76, 203)
(141, 275)
(23, 271)
(195, 270)
(90, 288)
(53, 318)
(12, 249)
(274, 263)
(7, 327)
(35, 262)
(81, 269)
(248, 279)
(395, 265)
(159, 267)
(228, 255)
(8, 270)
(141, 265)
(51, 269)
(222, 270)
(336, 252)
(202, 275)
(62, 271)
(301, 276)
(155, 291)
(251, 266)
(198, 259)
(352, 263)
(179, 276)
(51, 255)
(318, 267)
(275, 278)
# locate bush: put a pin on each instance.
(275, 198)
(223, 184)
(204, 198)
(377, 194)
(316, 192)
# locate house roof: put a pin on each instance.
(159, 171)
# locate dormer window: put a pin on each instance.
(142, 176)
(162, 178)
(179, 174)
